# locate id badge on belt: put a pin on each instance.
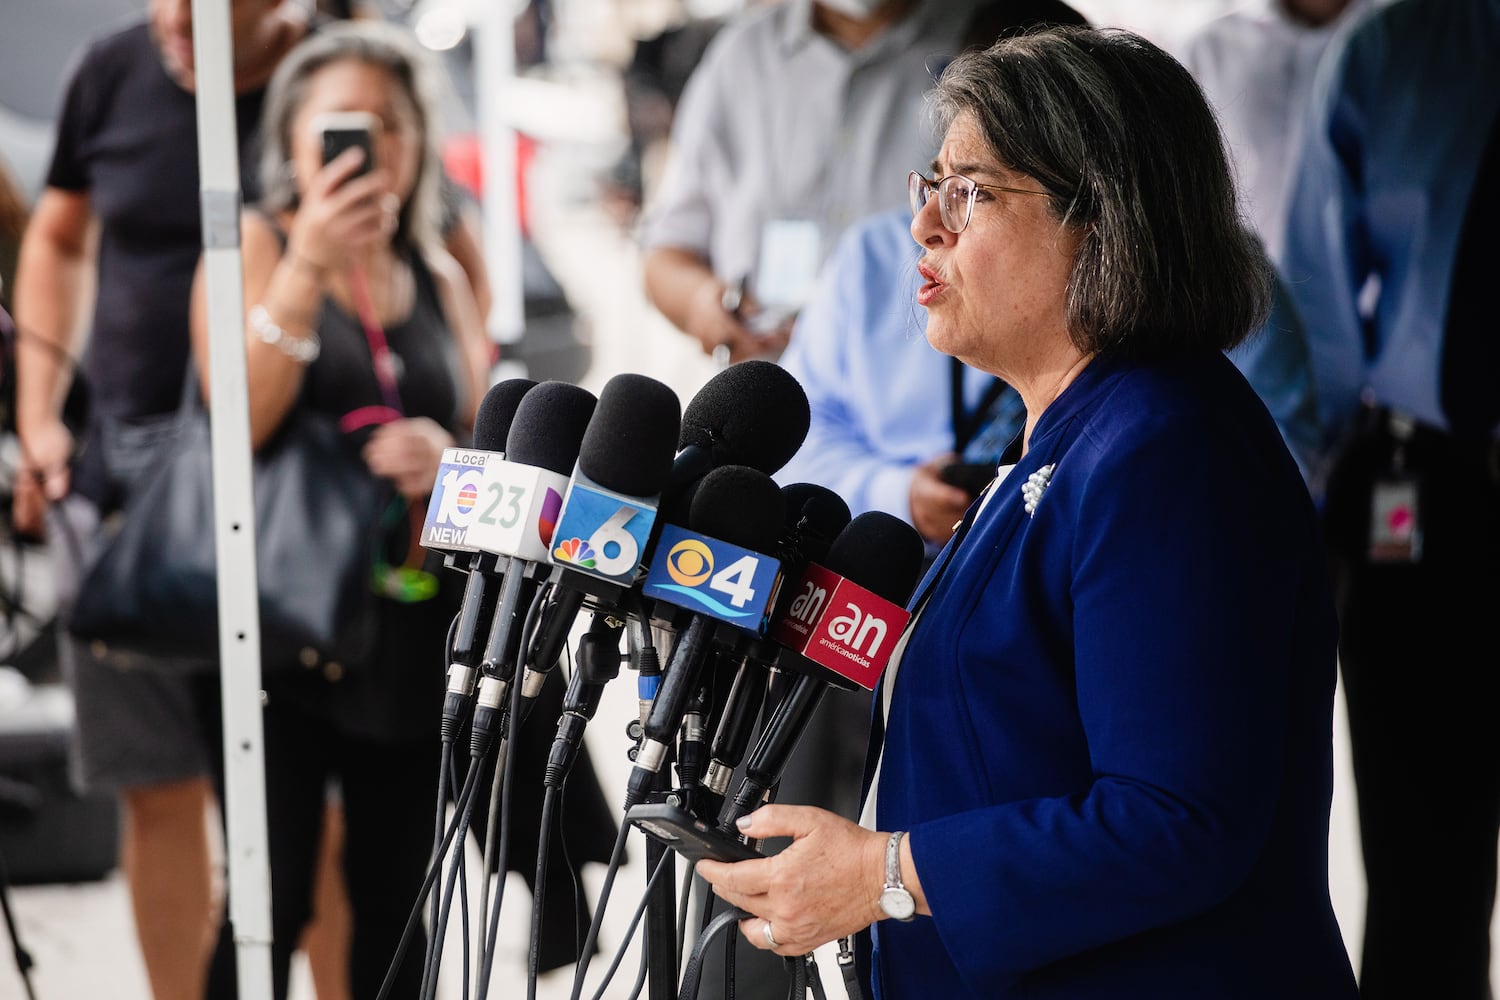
(1395, 521)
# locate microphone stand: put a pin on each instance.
(662, 959)
(18, 950)
(659, 947)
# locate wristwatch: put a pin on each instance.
(895, 901)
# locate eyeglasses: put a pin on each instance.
(956, 194)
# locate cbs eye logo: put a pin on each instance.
(690, 562)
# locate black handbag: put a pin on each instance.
(151, 590)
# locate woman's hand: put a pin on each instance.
(825, 886)
(408, 452)
(341, 215)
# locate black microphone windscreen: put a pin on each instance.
(739, 505)
(496, 412)
(632, 437)
(881, 553)
(752, 413)
(548, 427)
(816, 506)
(814, 517)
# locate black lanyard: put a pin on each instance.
(967, 423)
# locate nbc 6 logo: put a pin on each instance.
(615, 550)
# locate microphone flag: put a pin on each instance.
(841, 626)
(602, 532)
(714, 578)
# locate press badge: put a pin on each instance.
(788, 264)
(1395, 522)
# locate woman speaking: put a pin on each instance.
(1103, 757)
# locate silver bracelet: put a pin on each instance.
(303, 350)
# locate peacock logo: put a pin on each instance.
(575, 551)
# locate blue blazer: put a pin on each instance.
(1111, 731)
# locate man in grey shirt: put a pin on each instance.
(803, 117)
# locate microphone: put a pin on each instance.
(720, 573)
(519, 513)
(753, 413)
(454, 504)
(814, 517)
(607, 516)
(844, 616)
(451, 507)
(840, 628)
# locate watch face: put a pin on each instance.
(898, 904)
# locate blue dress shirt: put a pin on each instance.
(1379, 200)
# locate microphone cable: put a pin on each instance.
(533, 953)
(694, 968)
(553, 788)
(448, 730)
(591, 941)
(509, 729)
(414, 918)
(635, 920)
(479, 747)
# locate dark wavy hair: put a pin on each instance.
(1123, 138)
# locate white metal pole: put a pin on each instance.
(244, 802)
(495, 68)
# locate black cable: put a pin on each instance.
(463, 909)
(444, 776)
(641, 974)
(21, 955)
(534, 952)
(445, 765)
(415, 917)
(592, 940)
(661, 869)
(487, 956)
(694, 968)
(440, 930)
(438, 917)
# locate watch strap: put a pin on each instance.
(893, 861)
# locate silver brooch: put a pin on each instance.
(1035, 486)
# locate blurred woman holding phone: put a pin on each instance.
(355, 310)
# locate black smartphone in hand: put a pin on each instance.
(687, 834)
(971, 477)
(342, 129)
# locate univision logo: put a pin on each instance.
(546, 521)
